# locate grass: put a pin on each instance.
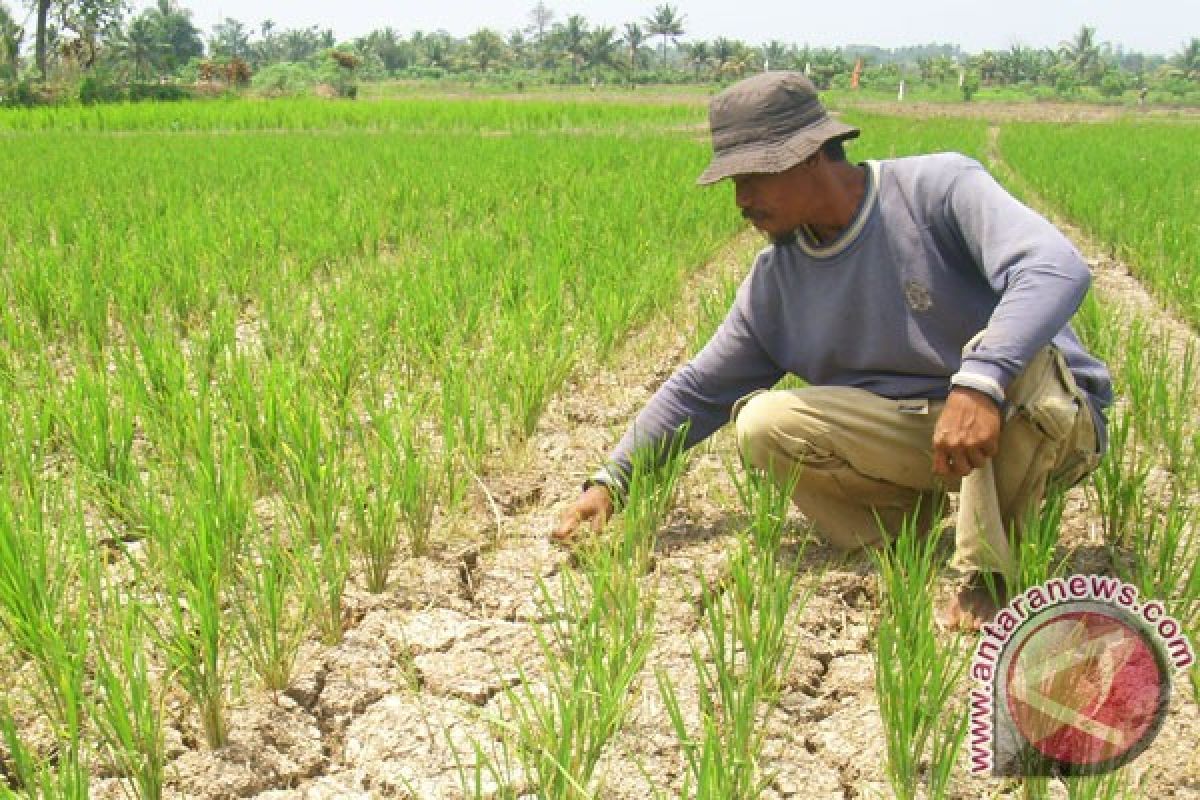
(128, 708)
(746, 651)
(917, 669)
(262, 375)
(1075, 167)
(595, 646)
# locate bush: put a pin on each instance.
(157, 92)
(95, 89)
(337, 70)
(1114, 83)
(23, 94)
(286, 78)
(970, 85)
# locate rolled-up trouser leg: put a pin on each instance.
(1048, 436)
(864, 461)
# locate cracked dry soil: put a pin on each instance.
(419, 681)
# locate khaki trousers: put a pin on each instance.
(865, 462)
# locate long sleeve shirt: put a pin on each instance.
(937, 252)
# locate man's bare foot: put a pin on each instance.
(973, 604)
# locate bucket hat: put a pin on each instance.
(768, 123)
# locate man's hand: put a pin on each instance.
(595, 506)
(967, 433)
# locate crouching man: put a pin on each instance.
(928, 311)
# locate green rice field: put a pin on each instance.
(290, 390)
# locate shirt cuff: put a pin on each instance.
(980, 383)
(606, 476)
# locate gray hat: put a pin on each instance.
(768, 123)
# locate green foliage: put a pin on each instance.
(916, 669)
(1075, 167)
(285, 78)
(268, 375)
(970, 85)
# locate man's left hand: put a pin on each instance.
(967, 433)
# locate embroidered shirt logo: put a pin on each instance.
(917, 296)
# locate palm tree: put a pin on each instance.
(666, 22)
(775, 54)
(989, 64)
(518, 45)
(634, 38)
(600, 47)
(1083, 54)
(1014, 63)
(570, 39)
(179, 39)
(1188, 59)
(298, 44)
(698, 55)
(141, 45)
(723, 50)
(393, 52)
(438, 48)
(229, 38)
(40, 35)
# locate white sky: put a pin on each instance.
(1150, 26)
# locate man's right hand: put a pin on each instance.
(594, 506)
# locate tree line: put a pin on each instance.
(94, 42)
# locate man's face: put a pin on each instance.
(777, 203)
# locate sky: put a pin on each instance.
(1149, 26)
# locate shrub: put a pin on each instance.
(286, 78)
(95, 89)
(157, 92)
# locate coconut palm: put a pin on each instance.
(141, 45)
(519, 47)
(600, 47)
(776, 54)
(699, 55)
(1083, 54)
(230, 39)
(1188, 59)
(178, 39)
(666, 22)
(570, 39)
(634, 38)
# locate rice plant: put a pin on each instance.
(315, 485)
(596, 642)
(746, 651)
(127, 707)
(273, 610)
(917, 669)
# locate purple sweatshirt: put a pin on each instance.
(937, 252)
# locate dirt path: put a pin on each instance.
(392, 710)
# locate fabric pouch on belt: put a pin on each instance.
(1050, 399)
(1041, 394)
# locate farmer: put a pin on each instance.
(927, 310)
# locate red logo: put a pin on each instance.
(1085, 688)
